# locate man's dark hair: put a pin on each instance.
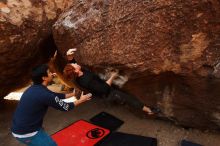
(38, 72)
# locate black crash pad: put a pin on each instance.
(189, 143)
(107, 121)
(124, 139)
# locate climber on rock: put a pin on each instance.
(92, 83)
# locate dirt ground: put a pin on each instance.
(166, 132)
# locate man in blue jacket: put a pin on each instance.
(28, 117)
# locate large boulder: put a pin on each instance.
(25, 40)
(169, 49)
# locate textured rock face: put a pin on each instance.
(169, 49)
(189, 101)
(25, 40)
(143, 36)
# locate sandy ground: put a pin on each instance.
(135, 123)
